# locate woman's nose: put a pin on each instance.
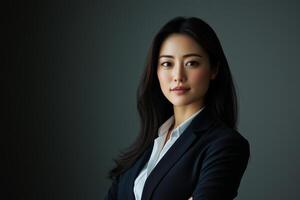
(179, 73)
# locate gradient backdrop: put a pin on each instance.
(71, 74)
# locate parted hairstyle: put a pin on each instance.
(154, 108)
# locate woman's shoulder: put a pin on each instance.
(221, 134)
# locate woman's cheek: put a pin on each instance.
(200, 76)
(164, 80)
(199, 81)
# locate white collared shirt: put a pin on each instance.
(159, 150)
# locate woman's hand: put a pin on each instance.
(191, 198)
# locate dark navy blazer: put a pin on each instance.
(206, 162)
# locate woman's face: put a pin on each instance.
(183, 63)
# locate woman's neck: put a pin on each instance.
(181, 113)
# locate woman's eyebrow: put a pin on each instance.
(186, 55)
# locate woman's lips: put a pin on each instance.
(180, 91)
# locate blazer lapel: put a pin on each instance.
(199, 124)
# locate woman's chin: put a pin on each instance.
(180, 102)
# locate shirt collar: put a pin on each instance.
(179, 130)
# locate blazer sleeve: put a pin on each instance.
(113, 190)
(222, 169)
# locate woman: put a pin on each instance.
(188, 146)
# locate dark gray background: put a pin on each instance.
(72, 73)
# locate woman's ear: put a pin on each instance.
(215, 72)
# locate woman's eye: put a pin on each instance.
(165, 64)
(192, 63)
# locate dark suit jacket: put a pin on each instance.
(206, 162)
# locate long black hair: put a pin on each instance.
(154, 109)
